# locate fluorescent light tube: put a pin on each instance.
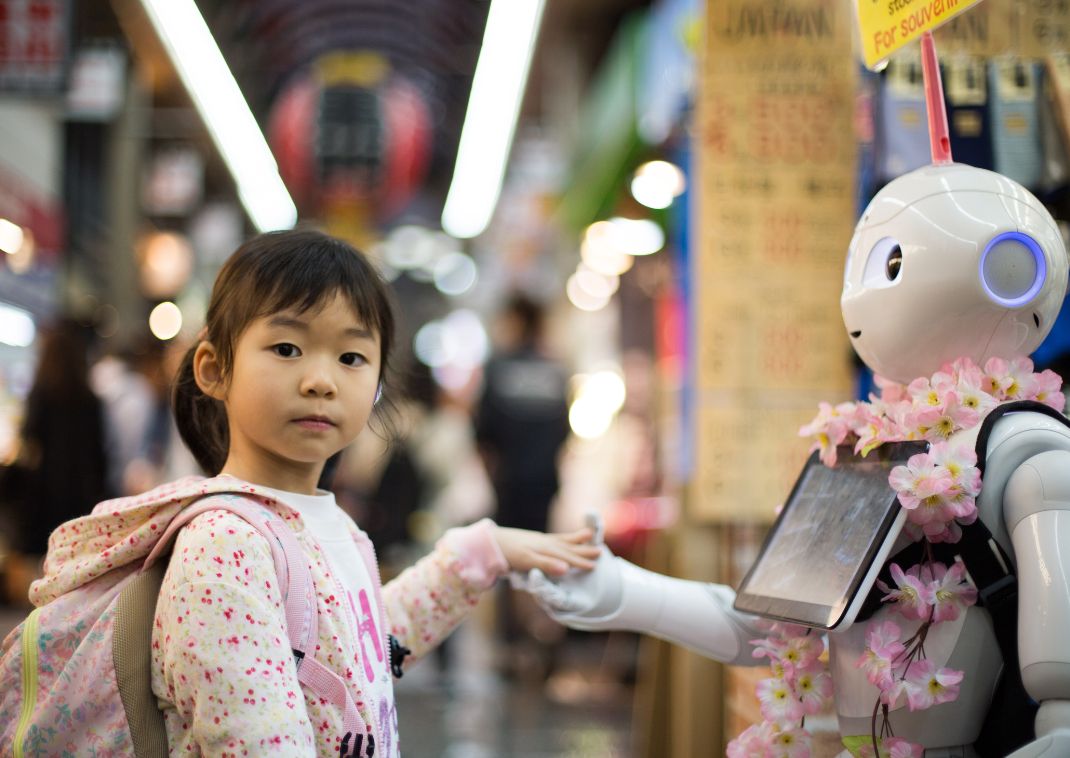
(493, 107)
(222, 106)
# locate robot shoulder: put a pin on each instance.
(1013, 438)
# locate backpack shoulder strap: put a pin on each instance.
(132, 658)
(1017, 406)
(295, 584)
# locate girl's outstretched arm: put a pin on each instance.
(426, 601)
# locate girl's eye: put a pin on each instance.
(286, 350)
(352, 359)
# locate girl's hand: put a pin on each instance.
(553, 554)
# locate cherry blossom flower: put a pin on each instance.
(882, 648)
(922, 393)
(933, 514)
(927, 686)
(950, 591)
(1023, 382)
(895, 693)
(891, 391)
(830, 427)
(936, 532)
(970, 389)
(945, 379)
(995, 373)
(892, 747)
(1049, 390)
(919, 479)
(912, 596)
(961, 462)
(947, 417)
(754, 742)
(779, 704)
(900, 748)
(919, 419)
(771, 647)
(874, 427)
(1009, 381)
(802, 652)
(791, 743)
(813, 691)
(900, 413)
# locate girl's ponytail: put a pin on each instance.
(201, 420)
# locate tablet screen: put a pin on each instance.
(825, 539)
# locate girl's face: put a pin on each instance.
(301, 388)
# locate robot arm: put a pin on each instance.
(1037, 513)
(618, 595)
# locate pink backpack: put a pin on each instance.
(75, 676)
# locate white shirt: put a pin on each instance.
(329, 525)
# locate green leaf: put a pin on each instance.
(856, 743)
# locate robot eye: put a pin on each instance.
(1013, 269)
(894, 264)
(884, 265)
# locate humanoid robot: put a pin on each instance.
(948, 261)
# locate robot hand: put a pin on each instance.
(585, 600)
(618, 595)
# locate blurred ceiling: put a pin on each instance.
(433, 43)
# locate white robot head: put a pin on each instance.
(948, 261)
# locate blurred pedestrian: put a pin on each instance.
(61, 469)
(522, 418)
(144, 446)
(521, 424)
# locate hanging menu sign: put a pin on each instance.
(776, 212)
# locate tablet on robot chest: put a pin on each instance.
(822, 555)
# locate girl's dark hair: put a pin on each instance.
(299, 269)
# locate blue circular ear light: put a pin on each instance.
(1012, 269)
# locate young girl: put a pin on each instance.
(293, 360)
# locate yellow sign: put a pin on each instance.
(887, 25)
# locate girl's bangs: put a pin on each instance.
(307, 279)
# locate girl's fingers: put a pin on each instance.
(552, 566)
(574, 557)
(577, 537)
(583, 551)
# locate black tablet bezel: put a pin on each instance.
(816, 615)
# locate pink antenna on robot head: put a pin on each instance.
(939, 140)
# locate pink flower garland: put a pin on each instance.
(956, 397)
(800, 686)
(939, 491)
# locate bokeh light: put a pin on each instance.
(455, 274)
(16, 327)
(165, 321)
(657, 183)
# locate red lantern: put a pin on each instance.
(351, 133)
